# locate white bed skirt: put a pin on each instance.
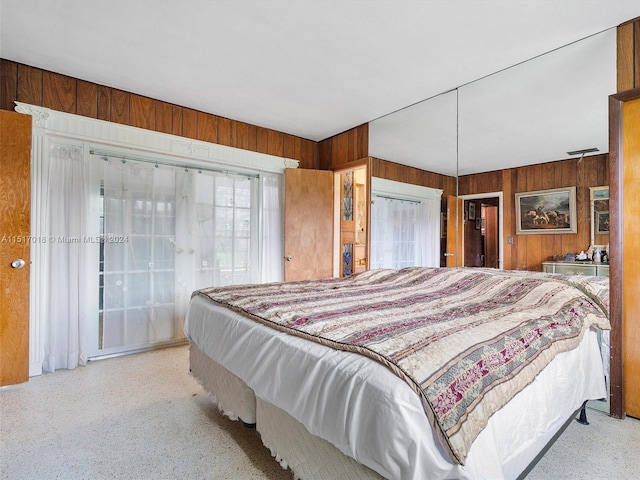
(233, 397)
(296, 376)
(308, 456)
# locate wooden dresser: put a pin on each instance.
(577, 268)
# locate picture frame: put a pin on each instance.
(546, 211)
(602, 222)
(472, 211)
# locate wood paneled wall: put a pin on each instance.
(628, 58)
(39, 87)
(528, 251)
(401, 173)
(344, 148)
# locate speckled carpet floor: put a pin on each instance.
(143, 417)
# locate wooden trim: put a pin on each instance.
(616, 236)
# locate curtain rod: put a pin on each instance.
(105, 155)
(396, 198)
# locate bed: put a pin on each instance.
(403, 374)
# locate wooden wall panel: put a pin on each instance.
(240, 135)
(224, 131)
(508, 221)
(59, 92)
(262, 140)
(28, 84)
(189, 123)
(8, 84)
(104, 103)
(527, 252)
(275, 143)
(252, 136)
(626, 49)
(207, 127)
(142, 112)
(176, 120)
(289, 146)
(625, 70)
(87, 99)
(120, 107)
(309, 154)
(164, 117)
(343, 148)
(401, 173)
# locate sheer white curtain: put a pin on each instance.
(405, 233)
(63, 226)
(428, 233)
(272, 230)
(138, 300)
(125, 243)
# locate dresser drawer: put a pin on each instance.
(576, 269)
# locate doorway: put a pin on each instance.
(483, 230)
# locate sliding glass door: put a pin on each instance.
(164, 232)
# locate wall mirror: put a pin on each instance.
(599, 207)
(533, 112)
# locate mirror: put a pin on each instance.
(599, 207)
(534, 112)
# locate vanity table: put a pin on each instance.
(577, 268)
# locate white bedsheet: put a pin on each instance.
(368, 413)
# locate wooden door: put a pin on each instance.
(15, 207)
(491, 247)
(455, 231)
(308, 224)
(631, 263)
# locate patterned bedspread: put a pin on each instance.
(465, 340)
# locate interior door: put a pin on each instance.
(454, 231)
(631, 264)
(491, 259)
(308, 224)
(15, 207)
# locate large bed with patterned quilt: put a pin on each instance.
(416, 373)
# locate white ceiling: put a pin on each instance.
(316, 68)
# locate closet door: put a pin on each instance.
(15, 203)
(631, 265)
(308, 238)
(624, 262)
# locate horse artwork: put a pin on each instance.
(546, 211)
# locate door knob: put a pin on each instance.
(448, 254)
(18, 263)
(288, 258)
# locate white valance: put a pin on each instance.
(99, 133)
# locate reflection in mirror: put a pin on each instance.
(599, 206)
(537, 111)
(423, 135)
(531, 113)
(352, 227)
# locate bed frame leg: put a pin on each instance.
(582, 419)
